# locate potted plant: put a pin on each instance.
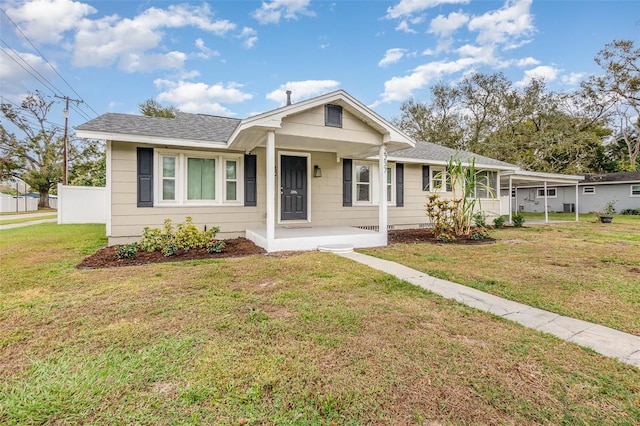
(606, 213)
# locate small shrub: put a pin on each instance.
(215, 246)
(479, 233)
(518, 220)
(188, 236)
(127, 251)
(151, 240)
(498, 222)
(629, 212)
(480, 219)
(169, 249)
(446, 237)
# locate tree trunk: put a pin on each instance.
(44, 199)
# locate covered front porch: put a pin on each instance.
(302, 237)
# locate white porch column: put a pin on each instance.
(382, 212)
(546, 206)
(577, 206)
(271, 189)
(511, 199)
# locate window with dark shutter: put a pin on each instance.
(145, 177)
(250, 178)
(347, 179)
(399, 185)
(426, 174)
(333, 115)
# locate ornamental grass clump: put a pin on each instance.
(457, 216)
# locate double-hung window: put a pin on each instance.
(551, 193)
(440, 180)
(635, 191)
(486, 184)
(231, 180)
(169, 172)
(198, 178)
(363, 183)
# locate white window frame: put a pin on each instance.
(591, 192)
(374, 181)
(181, 178)
(631, 187)
(356, 166)
(484, 174)
(540, 193)
(444, 178)
(391, 185)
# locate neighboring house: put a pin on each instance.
(294, 178)
(592, 194)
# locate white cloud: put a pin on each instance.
(45, 21)
(404, 27)
(573, 79)
(127, 42)
(391, 56)
(527, 62)
(250, 37)
(205, 52)
(400, 88)
(410, 7)
(301, 90)
(13, 76)
(272, 12)
(543, 72)
(445, 26)
(201, 97)
(512, 21)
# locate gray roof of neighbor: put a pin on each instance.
(434, 152)
(206, 128)
(613, 177)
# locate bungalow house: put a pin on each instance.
(591, 194)
(327, 170)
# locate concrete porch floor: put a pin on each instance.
(306, 237)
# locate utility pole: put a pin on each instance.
(66, 131)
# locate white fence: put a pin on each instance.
(10, 204)
(82, 204)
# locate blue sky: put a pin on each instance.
(237, 58)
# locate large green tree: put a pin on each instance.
(39, 151)
(153, 108)
(619, 90)
(528, 126)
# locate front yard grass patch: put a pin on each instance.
(309, 338)
(584, 270)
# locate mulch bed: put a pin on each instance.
(239, 247)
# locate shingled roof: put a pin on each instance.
(198, 127)
(439, 153)
(613, 177)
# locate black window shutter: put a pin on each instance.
(400, 185)
(250, 178)
(347, 177)
(425, 178)
(145, 177)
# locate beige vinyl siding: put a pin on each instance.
(128, 220)
(310, 124)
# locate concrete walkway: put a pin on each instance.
(34, 216)
(604, 340)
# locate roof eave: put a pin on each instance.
(152, 140)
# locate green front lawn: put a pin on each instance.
(585, 270)
(310, 338)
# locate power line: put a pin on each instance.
(66, 128)
(47, 61)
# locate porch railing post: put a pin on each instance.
(382, 215)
